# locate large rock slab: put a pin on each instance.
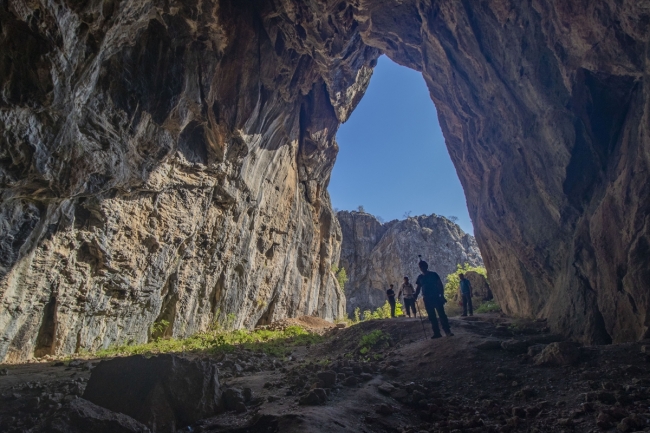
(164, 392)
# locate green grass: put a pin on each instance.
(382, 312)
(277, 343)
(488, 307)
(373, 340)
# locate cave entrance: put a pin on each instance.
(392, 159)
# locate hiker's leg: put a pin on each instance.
(440, 307)
(469, 304)
(431, 311)
(392, 309)
(464, 298)
(410, 306)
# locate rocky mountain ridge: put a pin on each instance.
(376, 254)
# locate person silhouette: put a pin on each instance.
(433, 294)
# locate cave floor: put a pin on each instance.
(484, 378)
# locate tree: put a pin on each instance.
(361, 209)
(453, 219)
(407, 215)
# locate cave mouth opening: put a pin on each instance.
(392, 161)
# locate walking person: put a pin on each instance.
(433, 293)
(466, 295)
(390, 294)
(409, 297)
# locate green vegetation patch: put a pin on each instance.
(488, 307)
(382, 312)
(375, 340)
(453, 280)
(341, 276)
(277, 343)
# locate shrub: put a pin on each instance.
(488, 307)
(342, 278)
(157, 329)
(375, 339)
(382, 312)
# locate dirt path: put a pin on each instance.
(483, 379)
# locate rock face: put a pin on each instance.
(375, 255)
(163, 164)
(167, 162)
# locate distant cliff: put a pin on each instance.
(375, 255)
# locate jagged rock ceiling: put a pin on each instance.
(167, 162)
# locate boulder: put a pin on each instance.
(556, 354)
(233, 399)
(535, 349)
(164, 392)
(82, 416)
(314, 397)
(328, 378)
(480, 286)
(386, 388)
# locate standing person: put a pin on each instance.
(409, 297)
(390, 293)
(433, 294)
(466, 295)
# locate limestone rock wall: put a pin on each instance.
(545, 110)
(376, 255)
(168, 161)
(164, 163)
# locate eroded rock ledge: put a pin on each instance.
(167, 162)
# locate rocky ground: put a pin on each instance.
(495, 375)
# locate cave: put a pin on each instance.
(194, 142)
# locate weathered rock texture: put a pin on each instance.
(375, 255)
(164, 163)
(169, 160)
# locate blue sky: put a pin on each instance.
(392, 156)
